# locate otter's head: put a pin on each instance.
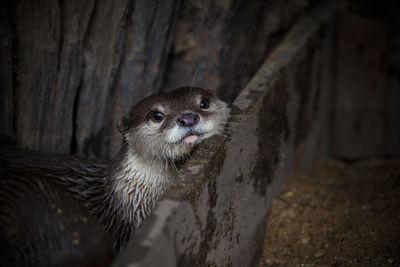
(168, 125)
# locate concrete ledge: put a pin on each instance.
(215, 212)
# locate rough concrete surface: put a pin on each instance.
(340, 215)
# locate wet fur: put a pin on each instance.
(121, 195)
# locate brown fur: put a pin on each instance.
(121, 195)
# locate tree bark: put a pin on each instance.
(70, 69)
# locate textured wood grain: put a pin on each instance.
(36, 47)
(70, 69)
(143, 64)
(6, 74)
(220, 44)
(101, 59)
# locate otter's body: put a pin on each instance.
(43, 225)
(157, 132)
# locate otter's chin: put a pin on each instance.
(191, 139)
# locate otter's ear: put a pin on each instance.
(123, 124)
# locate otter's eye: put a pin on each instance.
(204, 103)
(157, 116)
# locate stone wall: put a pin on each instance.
(215, 212)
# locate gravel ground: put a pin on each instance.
(339, 215)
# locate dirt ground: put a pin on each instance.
(339, 215)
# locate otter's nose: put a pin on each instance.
(187, 119)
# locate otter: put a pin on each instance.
(159, 131)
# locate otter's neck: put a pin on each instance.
(134, 184)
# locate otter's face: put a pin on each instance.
(168, 125)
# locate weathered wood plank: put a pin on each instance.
(6, 74)
(75, 17)
(37, 26)
(101, 59)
